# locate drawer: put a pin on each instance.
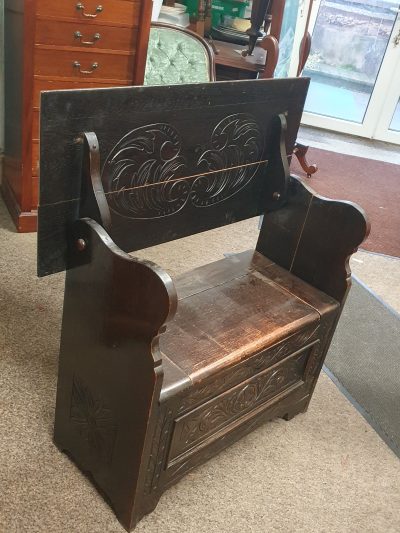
(119, 12)
(217, 417)
(84, 35)
(92, 64)
(52, 85)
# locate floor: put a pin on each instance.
(380, 273)
(326, 471)
(347, 144)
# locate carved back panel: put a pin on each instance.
(174, 160)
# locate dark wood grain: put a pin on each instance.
(157, 376)
(313, 237)
(112, 328)
(229, 55)
(139, 114)
(219, 326)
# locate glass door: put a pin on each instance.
(388, 124)
(352, 65)
(294, 24)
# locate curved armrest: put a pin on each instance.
(271, 45)
(141, 296)
(313, 237)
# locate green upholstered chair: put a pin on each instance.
(176, 55)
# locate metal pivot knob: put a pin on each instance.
(81, 7)
(81, 244)
(77, 65)
(276, 196)
(96, 37)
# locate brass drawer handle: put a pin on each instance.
(77, 65)
(80, 7)
(96, 37)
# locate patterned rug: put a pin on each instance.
(374, 185)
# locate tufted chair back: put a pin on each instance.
(176, 56)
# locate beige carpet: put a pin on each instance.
(325, 471)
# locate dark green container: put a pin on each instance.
(219, 9)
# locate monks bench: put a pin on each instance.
(158, 375)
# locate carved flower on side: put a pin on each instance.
(94, 420)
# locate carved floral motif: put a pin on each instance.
(93, 419)
(228, 164)
(320, 350)
(147, 176)
(248, 368)
(158, 450)
(241, 400)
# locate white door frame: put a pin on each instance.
(390, 101)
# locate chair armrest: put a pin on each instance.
(142, 296)
(313, 237)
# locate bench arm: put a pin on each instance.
(313, 237)
(142, 296)
(110, 369)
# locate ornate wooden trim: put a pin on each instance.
(196, 425)
(258, 362)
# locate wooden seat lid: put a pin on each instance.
(233, 308)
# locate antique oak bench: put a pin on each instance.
(155, 375)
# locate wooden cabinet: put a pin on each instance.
(63, 44)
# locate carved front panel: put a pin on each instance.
(249, 367)
(207, 420)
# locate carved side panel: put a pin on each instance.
(93, 419)
(318, 354)
(158, 450)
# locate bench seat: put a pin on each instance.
(230, 310)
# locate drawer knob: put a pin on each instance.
(81, 7)
(77, 65)
(96, 37)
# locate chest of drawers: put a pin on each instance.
(63, 44)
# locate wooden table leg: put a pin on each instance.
(300, 151)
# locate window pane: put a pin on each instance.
(348, 45)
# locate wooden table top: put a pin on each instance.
(228, 55)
